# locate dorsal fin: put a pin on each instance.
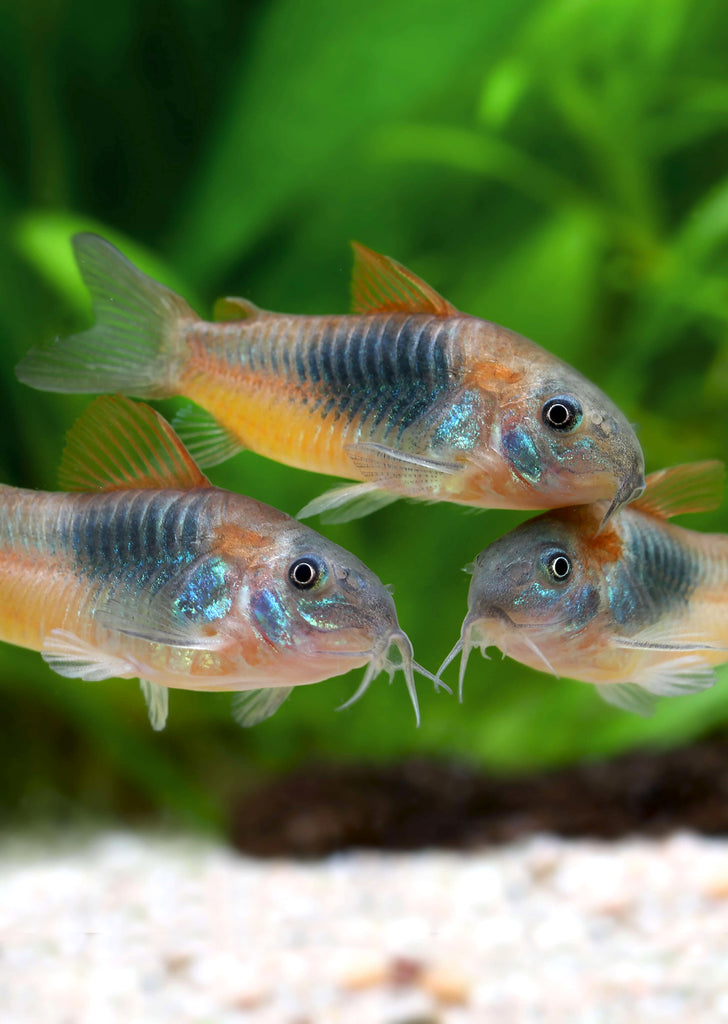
(230, 307)
(117, 444)
(380, 284)
(690, 487)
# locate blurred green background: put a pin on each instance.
(559, 166)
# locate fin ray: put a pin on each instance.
(156, 697)
(342, 504)
(74, 658)
(681, 675)
(387, 466)
(628, 697)
(133, 346)
(206, 440)
(250, 707)
(690, 487)
(119, 444)
(661, 637)
(388, 475)
(161, 616)
(382, 284)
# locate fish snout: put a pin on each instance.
(631, 486)
(487, 612)
(495, 584)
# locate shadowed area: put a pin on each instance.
(418, 804)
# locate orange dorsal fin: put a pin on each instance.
(230, 307)
(117, 444)
(380, 284)
(691, 487)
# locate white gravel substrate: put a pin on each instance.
(129, 928)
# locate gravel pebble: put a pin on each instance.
(127, 928)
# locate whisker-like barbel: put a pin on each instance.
(630, 603)
(144, 569)
(406, 395)
(382, 662)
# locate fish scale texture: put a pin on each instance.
(125, 927)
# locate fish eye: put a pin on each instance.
(558, 566)
(562, 413)
(305, 573)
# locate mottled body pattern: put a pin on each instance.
(407, 395)
(639, 607)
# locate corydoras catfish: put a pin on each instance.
(406, 394)
(639, 608)
(149, 571)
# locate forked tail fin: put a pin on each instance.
(135, 346)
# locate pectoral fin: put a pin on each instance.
(74, 658)
(185, 610)
(667, 638)
(253, 706)
(155, 620)
(687, 673)
(352, 501)
(392, 469)
(388, 475)
(684, 674)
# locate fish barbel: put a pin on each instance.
(639, 608)
(407, 395)
(149, 571)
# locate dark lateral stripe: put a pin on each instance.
(370, 352)
(359, 352)
(657, 574)
(139, 535)
(389, 368)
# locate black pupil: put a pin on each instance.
(304, 573)
(560, 567)
(560, 413)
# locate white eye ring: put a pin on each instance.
(562, 413)
(304, 573)
(559, 566)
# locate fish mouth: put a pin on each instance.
(475, 633)
(494, 611)
(393, 654)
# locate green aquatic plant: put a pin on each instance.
(559, 167)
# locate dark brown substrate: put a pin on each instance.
(436, 804)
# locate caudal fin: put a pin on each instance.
(135, 345)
